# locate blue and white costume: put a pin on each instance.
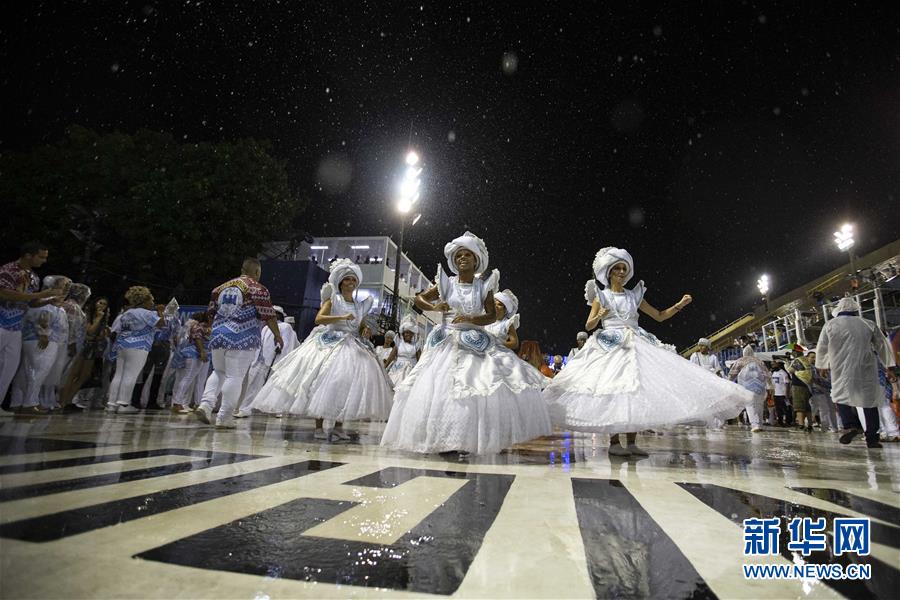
(468, 392)
(406, 353)
(625, 379)
(334, 374)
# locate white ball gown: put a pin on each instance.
(334, 374)
(625, 379)
(500, 330)
(404, 363)
(467, 393)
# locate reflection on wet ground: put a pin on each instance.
(172, 508)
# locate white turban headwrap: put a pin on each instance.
(470, 242)
(846, 304)
(608, 257)
(341, 269)
(409, 325)
(582, 335)
(748, 351)
(703, 342)
(389, 334)
(278, 310)
(510, 301)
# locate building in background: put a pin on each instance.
(375, 256)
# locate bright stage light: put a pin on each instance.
(844, 237)
(763, 285)
(412, 158)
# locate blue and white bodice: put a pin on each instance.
(341, 307)
(622, 307)
(466, 299)
(406, 354)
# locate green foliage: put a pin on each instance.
(162, 211)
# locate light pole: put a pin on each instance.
(762, 285)
(409, 195)
(843, 238)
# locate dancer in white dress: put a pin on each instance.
(468, 393)
(506, 327)
(384, 351)
(404, 356)
(333, 376)
(626, 380)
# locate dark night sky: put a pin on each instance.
(715, 141)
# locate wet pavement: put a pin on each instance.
(158, 506)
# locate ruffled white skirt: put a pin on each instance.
(331, 375)
(400, 368)
(467, 393)
(626, 380)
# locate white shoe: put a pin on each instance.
(111, 408)
(80, 405)
(635, 451)
(756, 430)
(340, 434)
(320, 434)
(204, 414)
(226, 424)
(6, 413)
(240, 414)
(618, 450)
(127, 410)
(278, 415)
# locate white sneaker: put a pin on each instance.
(111, 408)
(320, 434)
(226, 424)
(204, 414)
(240, 414)
(128, 410)
(279, 415)
(6, 413)
(340, 434)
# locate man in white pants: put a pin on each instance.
(237, 308)
(18, 287)
(751, 373)
(267, 359)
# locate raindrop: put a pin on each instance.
(657, 31)
(636, 216)
(510, 63)
(451, 136)
(114, 68)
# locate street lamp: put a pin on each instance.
(407, 197)
(762, 284)
(843, 238)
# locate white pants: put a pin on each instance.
(753, 409)
(129, 363)
(186, 380)
(35, 367)
(822, 404)
(10, 353)
(888, 420)
(230, 367)
(49, 396)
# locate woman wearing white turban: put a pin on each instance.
(334, 375)
(468, 393)
(626, 380)
(403, 356)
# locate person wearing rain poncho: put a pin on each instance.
(334, 375)
(626, 380)
(849, 348)
(751, 374)
(73, 308)
(468, 393)
(403, 356)
(268, 357)
(45, 334)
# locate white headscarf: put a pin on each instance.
(278, 310)
(389, 334)
(409, 325)
(748, 351)
(607, 258)
(847, 304)
(582, 335)
(340, 270)
(470, 242)
(704, 342)
(510, 301)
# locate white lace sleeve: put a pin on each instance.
(591, 292)
(367, 305)
(327, 292)
(492, 283)
(638, 292)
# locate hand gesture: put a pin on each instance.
(461, 319)
(349, 317)
(279, 344)
(685, 300)
(441, 307)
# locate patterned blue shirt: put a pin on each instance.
(239, 306)
(136, 328)
(14, 277)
